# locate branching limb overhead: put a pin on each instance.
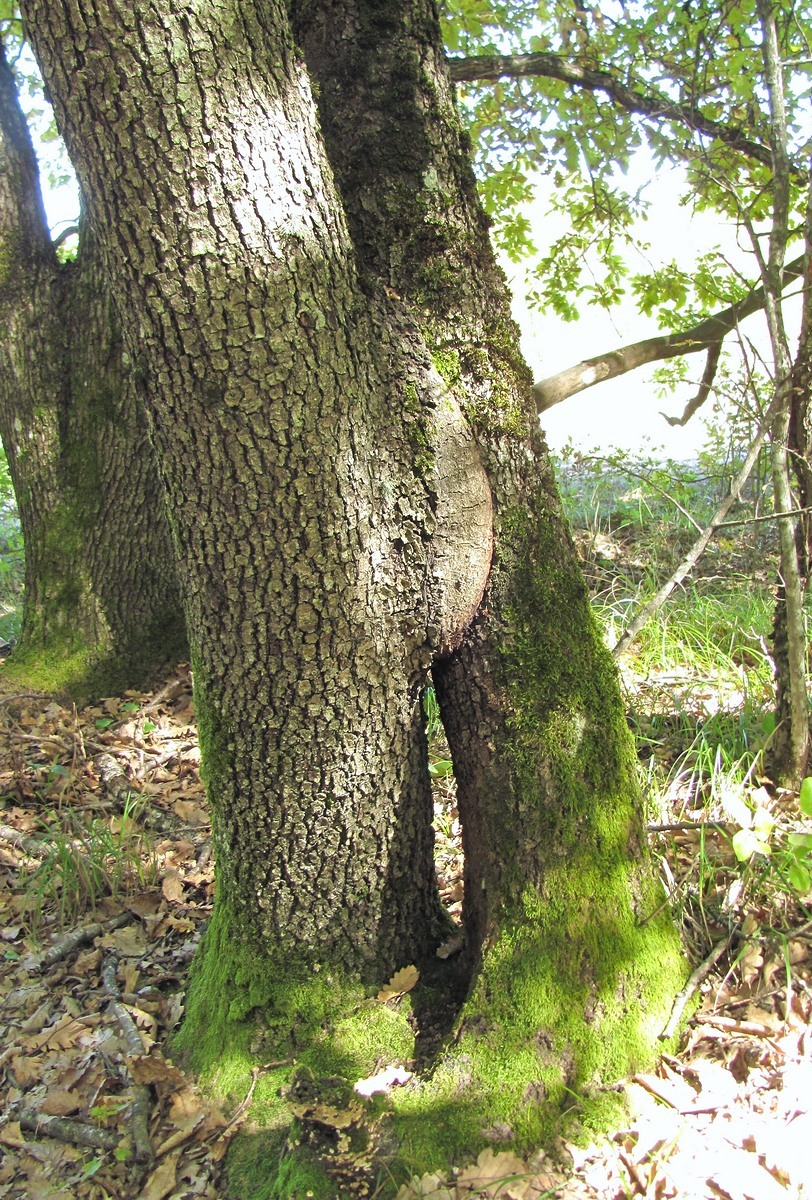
(702, 336)
(649, 103)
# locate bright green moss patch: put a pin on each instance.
(243, 1003)
(569, 999)
(260, 1169)
(60, 661)
(53, 673)
(245, 1009)
(561, 1007)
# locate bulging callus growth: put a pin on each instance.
(360, 490)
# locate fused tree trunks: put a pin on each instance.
(535, 725)
(101, 605)
(288, 425)
(361, 494)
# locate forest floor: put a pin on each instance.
(107, 880)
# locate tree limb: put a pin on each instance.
(653, 104)
(71, 940)
(702, 336)
(65, 1130)
(708, 376)
(24, 233)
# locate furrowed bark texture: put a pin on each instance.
(101, 601)
(351, 450)
(287, 424)
(547, 790)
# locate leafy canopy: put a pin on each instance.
(681, 83)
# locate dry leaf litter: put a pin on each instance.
(94, 1108)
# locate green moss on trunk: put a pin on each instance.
(579, 962)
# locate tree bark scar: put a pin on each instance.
(462, 543)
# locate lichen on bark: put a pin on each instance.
(288, 305)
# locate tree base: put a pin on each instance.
(538, 1045)
(83, 671)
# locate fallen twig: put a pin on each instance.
(241, 1108)
(116, 783)
(30, 845)
(693, 983)
(753, 1028)
(678, 826)
(142, 1101)
(64, 1130)
(71, 940)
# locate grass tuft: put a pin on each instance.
(82, 866)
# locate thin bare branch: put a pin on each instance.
(63, 1130)
(693, 983)
(704, 390)
(697, 550)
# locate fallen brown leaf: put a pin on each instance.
(172, 886)
(61, 1103)
(402, 981)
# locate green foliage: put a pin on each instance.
(791, 854)
(55, 166)
(700, 678)
(673, 62)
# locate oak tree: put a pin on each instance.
(102, 607)
(361, 499)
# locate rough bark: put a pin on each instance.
(289, 427)
(349, 441)
(101, 605)
(546, 785)
(780, 758)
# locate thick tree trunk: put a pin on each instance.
(289, 426)
(101, 606)
(351, 450)
(559, 887)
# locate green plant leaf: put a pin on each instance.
(763, 823)
(441, 768)
(805, 796)
(746, 843)
(799, 877)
